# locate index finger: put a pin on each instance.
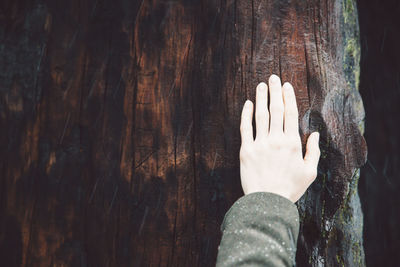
(246, 127)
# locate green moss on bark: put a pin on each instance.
(351, 38)
(349, 218)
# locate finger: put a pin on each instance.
(276, 105)
(313, 153)
(246, 128)
(262, 114)
(291, 114)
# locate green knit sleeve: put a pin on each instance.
(260, 229)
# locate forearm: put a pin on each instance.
(260, 229)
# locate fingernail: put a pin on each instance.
(274, 78)
(287, 86)
(262, 86)
(247, 103)
(317, 136)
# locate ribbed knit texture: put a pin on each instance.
(260, 229)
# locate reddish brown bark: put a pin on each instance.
(120, 125)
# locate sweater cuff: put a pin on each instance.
(263, 210)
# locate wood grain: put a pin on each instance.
(120, 125)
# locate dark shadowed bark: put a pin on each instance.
(119, 126)
(380, 88)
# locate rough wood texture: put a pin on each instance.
(120, 126)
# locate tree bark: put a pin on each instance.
(120, 126)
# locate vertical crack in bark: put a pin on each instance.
(81, 96)
(138, 14)
(308, 85)
(65, 128)
(315, 35)
(327, 12)
(194, 99)
(35, 82)
(279, 54)
(106, 84)
(308, 74)
(252, 30)
(29, 245)
(173, 238)
(133, 131)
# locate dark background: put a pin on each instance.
(380, 90)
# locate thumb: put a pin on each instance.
(313, 152)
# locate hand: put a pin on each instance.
(273, 162)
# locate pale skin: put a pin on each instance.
(273, 161)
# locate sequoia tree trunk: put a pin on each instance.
(120, 126)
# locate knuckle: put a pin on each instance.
(276, 146)
(318, 155)
(293, 142)
(242, 157)
(276, 108)
(294, 149)
(294, 146)
(316, 152)
(296, 137)
(243, 127)
(312, 173)
(275, 142)
(292, 112)
(289, 97)
(261, 138)
(260, 115)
